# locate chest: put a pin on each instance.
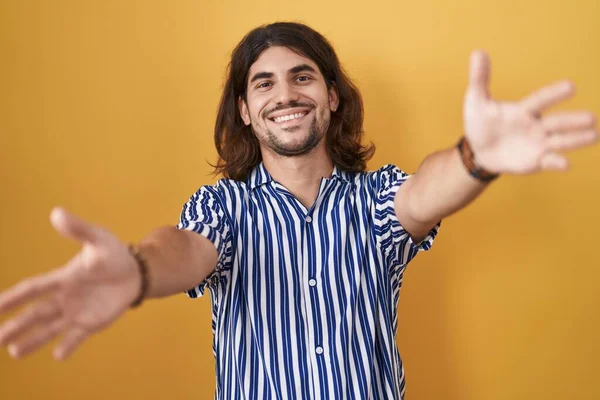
(281, 244)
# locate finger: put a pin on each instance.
(479, 74)
(36, 339)
(548, 96)
(36, 314)
(69, 343)
(29, 289)
(73, 227)
(554, 162)
(572, 140)
(569, 121)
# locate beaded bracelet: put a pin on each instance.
(143, 267)
(468, 159)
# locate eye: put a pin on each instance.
(263, 85)
(303, 78)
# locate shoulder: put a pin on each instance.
(381, 178)
(223, 187)
(220, 195)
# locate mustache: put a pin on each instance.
(291, 104)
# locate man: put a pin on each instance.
(303, 251)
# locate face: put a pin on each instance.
(287, 104)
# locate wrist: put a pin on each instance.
(468, 159)
(143, 274)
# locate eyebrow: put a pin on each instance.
(294, 70)
(261, 75)
(302, 68)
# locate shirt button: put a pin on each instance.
(312, 282)
(319, 350)
(308, 219)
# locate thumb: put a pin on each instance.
(479, 74)
(73, 227)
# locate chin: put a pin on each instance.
(291, 141)
(295, 148)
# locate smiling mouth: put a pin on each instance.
(289, 117)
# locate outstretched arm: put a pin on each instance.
(98, 284)
(506, 138)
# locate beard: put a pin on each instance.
(315, 133)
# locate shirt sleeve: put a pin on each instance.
(396, 244)
(205, 214)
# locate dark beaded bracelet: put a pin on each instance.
(145, 279)
(468, 159)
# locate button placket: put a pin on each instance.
(307, 273)
(312, 294)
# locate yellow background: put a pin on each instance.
(107, 108)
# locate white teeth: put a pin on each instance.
(284, 118)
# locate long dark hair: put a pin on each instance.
(238, 147)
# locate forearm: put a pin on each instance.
(177, 260)
(440, 187)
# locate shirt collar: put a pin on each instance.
(260, 176)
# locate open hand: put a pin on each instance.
(513, 137)
(86, 295)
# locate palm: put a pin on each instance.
(92, 296)
(86, 295)
(512, 137)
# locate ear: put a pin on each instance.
(244, 113)
(334, 97)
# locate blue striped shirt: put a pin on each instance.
(304, 301)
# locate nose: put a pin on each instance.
(285, 93)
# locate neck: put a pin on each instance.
(301, 175)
